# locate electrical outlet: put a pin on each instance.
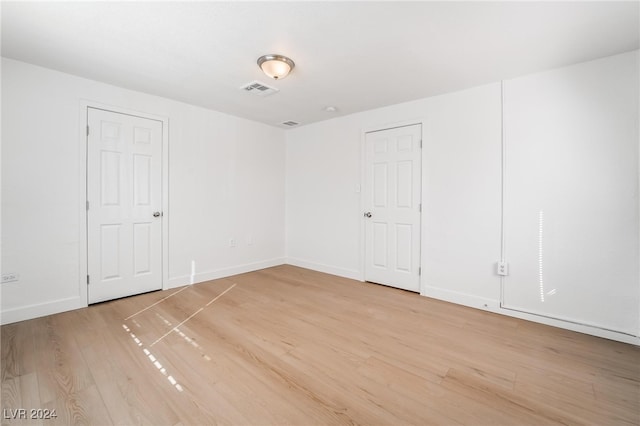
(502, 268)
(232, 242)
(10, 277)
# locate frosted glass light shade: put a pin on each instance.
(276, 66)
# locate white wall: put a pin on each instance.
(226, 180)
(571, 201)
(461, 217)
(461, 191)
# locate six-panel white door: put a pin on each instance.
(392, 207)
(124, 219)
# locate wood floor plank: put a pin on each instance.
(572, 407)
(61, 370)
(11, 400)
(503, 403)
(29, 395)
(290, 384)
(84, 407)
(290, 346)
(10, 359)
(122, 386)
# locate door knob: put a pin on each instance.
(367, 214)
(157, 214)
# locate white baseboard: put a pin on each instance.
(222, 273)
(460, 298)
(345, 273)
(494, 306)
(586, 329)
(41, 309)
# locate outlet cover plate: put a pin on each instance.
(10, 277)
(502, 268)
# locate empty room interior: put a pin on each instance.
(315, 213)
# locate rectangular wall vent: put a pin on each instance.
(258, 88)
(290, 123)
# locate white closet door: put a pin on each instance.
(124, 219)
(392, 207)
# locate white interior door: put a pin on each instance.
(124, 191)
(392, 207)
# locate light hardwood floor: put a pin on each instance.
(287, 345)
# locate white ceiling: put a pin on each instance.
(352, 55)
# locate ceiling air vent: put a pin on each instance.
(259, 89)
(290, 123)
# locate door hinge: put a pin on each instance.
(87, 130)
(88, 281)
(419, 270)
(420, 142)
(420, 207)
(87, 205)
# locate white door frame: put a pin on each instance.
(82, 191)
(363, 153)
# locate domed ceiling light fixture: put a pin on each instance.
(276, 66)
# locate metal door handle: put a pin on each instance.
(367, 214)
(157, 214)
